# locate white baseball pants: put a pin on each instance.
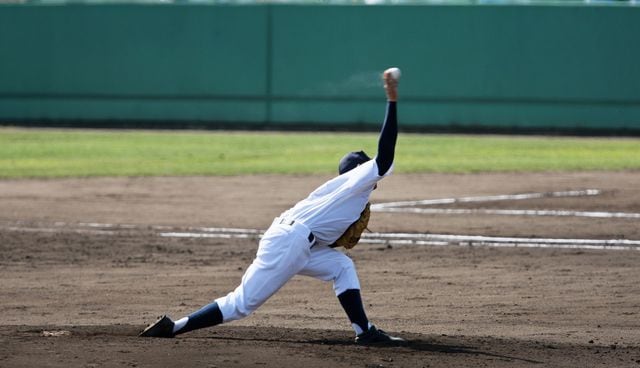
(285, 251)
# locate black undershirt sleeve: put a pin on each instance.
(387, 140)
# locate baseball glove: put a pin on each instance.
(351, 236)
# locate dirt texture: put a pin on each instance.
(84, 268)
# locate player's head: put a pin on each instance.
(352, 160)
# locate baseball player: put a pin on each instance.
(302, 241)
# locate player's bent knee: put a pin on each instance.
(345, 263)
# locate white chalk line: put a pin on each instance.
(490, 198)
(397, 239)
(372, 238)
(411, 206)
(484, 211)
(213, 232)
(55, 230)
(208, 235)
(449, 240)
(499, 239)
(503, 245)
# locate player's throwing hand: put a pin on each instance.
(390, 78)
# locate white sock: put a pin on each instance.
(357, 328)
(179, 324)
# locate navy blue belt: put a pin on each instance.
(311, 237)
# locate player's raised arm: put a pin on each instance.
(389, 132)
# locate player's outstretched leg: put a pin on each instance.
(207, 316)
(281, 254)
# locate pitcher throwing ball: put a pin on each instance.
(301, 241)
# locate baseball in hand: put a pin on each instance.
(394, 73)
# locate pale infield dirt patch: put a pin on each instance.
(84, 269)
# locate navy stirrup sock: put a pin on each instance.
(352, 304)
(207, 316)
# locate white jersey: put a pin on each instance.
(330, 209)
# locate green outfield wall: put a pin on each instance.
(464, 66)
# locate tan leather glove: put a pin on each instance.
(351, 236)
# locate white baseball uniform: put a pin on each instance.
(298, 242)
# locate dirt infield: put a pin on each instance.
(86, 263)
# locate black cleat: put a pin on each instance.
(375, 337)
(163, 327)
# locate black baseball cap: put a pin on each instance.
(351, 160)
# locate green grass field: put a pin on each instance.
(41, 153)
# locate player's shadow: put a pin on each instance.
(430, 346)
(418, 343)
(433, 347)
